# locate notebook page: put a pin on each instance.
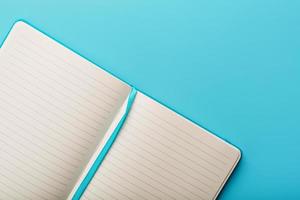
(160, 155)
(112, 127)
(55, 108)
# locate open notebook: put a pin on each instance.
(59, 110)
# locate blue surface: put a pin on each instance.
(231, 66)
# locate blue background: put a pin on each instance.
(231, 66)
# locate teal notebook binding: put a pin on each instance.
(92, 171)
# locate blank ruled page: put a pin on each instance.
(55, 107)
(161, 155)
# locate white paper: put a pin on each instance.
(55, 108)
(161, 155)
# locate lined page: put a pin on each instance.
(55, 108)
(161, 155)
